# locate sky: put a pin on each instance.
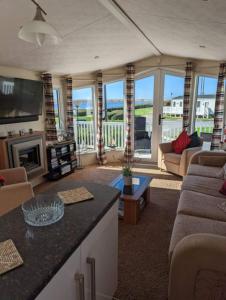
(144, 88)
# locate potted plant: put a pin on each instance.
(127, 175)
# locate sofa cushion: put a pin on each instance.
(195, 140)
(185, 225)
(204, 185)
(215, 161)
(181, 142)
(201, 205)
(173, 158)
(206, 171)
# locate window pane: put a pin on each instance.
(172, 107)
(83, 117)
(205, 104)
(56, 96)
(144, 92)
(114, 114)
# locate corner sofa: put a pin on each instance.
(197, 250)
(16, 190)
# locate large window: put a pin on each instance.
(143, 116)
(113, 126)
(56, 100)
(84, 117)
(172, 106)
(205, 103)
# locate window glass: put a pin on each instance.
(56, 100)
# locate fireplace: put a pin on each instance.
(27, 152)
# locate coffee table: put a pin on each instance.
(132, 196)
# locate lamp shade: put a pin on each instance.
(36, 32)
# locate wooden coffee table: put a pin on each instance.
(132, 196)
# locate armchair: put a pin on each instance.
(172, 162)
(16, 189)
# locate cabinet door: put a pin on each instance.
(63, 285)
(101, 246)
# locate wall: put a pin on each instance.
(20, 73)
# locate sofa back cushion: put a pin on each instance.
(181, 142)
(213, 161)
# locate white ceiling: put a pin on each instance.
(176, 27)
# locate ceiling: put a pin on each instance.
(89, 29)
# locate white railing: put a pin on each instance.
(114, 132)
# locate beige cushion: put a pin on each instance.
(204, 185)
(215, 161)
(206, 171)
(201, 205)
(185, 225)
(173, 158)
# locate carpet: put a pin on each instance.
(143, 248)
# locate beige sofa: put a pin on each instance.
(197, 250)
(172, 162)
(16, 190)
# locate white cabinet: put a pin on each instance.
(95, 263)
(101, 248)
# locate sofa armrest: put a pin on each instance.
(166, 147)
(198, 264)
(12, 196)
(14, 175)
(195, 157)
(186, 158)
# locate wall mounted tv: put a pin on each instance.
(20, 100)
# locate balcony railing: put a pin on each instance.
(114, 133)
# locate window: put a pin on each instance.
(113, 127)
(172, 106)
(144, 93)
(56, 100)
(84, 118)
(205, 103)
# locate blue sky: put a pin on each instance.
(144, 88)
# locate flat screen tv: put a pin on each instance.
(20, 100)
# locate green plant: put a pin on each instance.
(126, 171)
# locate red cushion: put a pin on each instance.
(223, 188)
(181, 142)
(2, 181)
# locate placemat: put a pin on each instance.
(75, 195)
(9, 257)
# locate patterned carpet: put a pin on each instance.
(143, 248)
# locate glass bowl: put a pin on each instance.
(43, 211)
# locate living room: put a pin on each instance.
(112, 150)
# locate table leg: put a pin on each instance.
(131, 212)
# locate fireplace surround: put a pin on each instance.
(26, 151)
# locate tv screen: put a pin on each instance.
(20, 99)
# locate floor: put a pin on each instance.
(143, 248)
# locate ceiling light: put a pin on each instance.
(37, 30)
(96, 57)
(202, 46)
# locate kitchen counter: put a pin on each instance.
(45, 249)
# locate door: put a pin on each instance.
(99, 258)
(143, 117)
(171, 112)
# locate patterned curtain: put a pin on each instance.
(219, 110)
(101, 155)
(130, 71)
(69, 118)
(50, 123)
(187, 96)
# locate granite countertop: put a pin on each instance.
(45, 249)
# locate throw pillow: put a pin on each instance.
(195, 140)
(181, 142)
(212, 161)
(2, 181)
(223, 188)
